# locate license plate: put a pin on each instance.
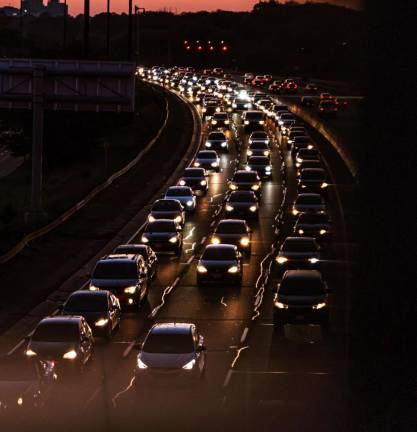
(158, 245)
(217, 275)
(299, 317)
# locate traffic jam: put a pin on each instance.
(246, 231)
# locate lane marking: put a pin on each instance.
(227, 379)
(127, 351)
(238, 355)
(117, 395)
(223, 302)
(244, 334)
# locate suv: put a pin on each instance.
(125, 275)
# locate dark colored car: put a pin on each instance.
(308, 101)
(217, 140)
(313, 225)
(163, 235)
(126, 276)
(66, 340)
(328, 108)
(235, 232)
(308, 203)
(308, 164)
(220, 120)
(167, 209)
(210, 107)
(196, 179)
(258, 148)
(260, 164)
(207, 159)
(258, 136)
(301, 142)
(312, 180)
(298, 252)
(311, 88)
(171, 353)
(253, 120)
(301, 296)
(147, 253)
(101, 309)
(306, 154)
(25, 386)
(246, 180)
(220, 263)
(185, 195)
(242, 203)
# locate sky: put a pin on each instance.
(177, 6)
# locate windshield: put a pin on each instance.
(245, 177)
(220, 116)
(287, 116)
(309, 199)
(242, 197)
(231, 228)
(219, 254)
(178, 192)
(258, 160)
(303, 245)
(206, 155)
(86, 303)
(258, 146)
(57, 332)
(160, 227)
(112, 269)
(259, 135)
(301, 286)
(166, 205)
(312, 174)
(306, 218)
(216, 136)
(191, 172)
(169, 343)
(130, 249)
(254, 116)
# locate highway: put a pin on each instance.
(290, 379)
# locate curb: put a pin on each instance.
(75, 208)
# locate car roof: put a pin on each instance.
(183, 188)
(89, 293)
(221, 246)
(300, 239)
(308, 194)
(172, 328)
(61, 319)
(119, 257)
(302, 274)
(232, 221)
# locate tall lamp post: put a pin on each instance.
(108, 29)
(138, 10)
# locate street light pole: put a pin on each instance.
(86, 28)
(129, 32)
(108, 29)
(64, 41)
(137, 29)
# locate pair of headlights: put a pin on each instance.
(203, 270)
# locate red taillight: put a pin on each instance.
(321, 109)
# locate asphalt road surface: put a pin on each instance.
(257, 378)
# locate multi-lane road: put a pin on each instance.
(289, 379)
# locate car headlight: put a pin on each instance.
(313, 260)
(249, 152)
(261, 122)
(208, 144)
(319, 306)
(182, 183)
(101, 322)
(255, 187)
(196, 164)
(71, 355)
(300, 231)
(233, 269)
(203, 183)
(299, 160)
(130, 290)
(234, 105)
(229, 208)
(310, 146)
(30, 353)
(268, 168)
(280, 122)
(224, 144)
(173, 239)
(290, 141)
(204, 109)
(201, 269)
(266, 153)
(189, 365)
(232, 186)
(298, 164)
(248, 168)
(144, 239)
(280, 305)
(226, 122)
(282, 260)
(214, 164)
(214, 122)
(215, 240)
(190, 203)
(323, 231)
(244, 241)
(246, 122)
(253, 208)
(141, 365)
(178, 219)
(295, 212)
(324, 185)
(151, 218)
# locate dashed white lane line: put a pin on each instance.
(244, 334)
(129, 348)
(227, 379)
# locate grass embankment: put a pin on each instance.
(71, 174)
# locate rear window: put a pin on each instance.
(56, 332)
(254, 116)
(242, 197)
(259, 135)
(312, 174)
(258, 160)
(129, 249)
(86, 303)
(190, 172)
(258, 145)
(206, 155)
(178, 192)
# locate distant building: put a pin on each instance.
(9, 11)
(36, 7)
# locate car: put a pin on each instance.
(25, 386)
(253, 120)
(277, 110)
(308, 101)
(66, 340)
(240, 104)
(267, 79)
(124, 275)
(275, 87)
(328, 107)
(163, 235)
(308, 164)
(341, 103)
(207, 159)
(220, 120)
(242, 203)
(308, 203)
(290, 88)
(296, 132)
(300, 142)
(147, 253)
(260, 164)
(259, 96)
(101, 309)
(264, 104)
(218, 71)
(313, 225)
(196, 179)
(326, 96)
(248, 78)
(220, 263)
(258, 136)
(258, 148)
(301, 296)
(167, 209)
(284, 115)
(312, 180)
(210, 106)
(286, 126)
(235, 232)
(258, 81)
(217, 140)
(185, 195)
(306, 154)
(246, 180)
(173, 352)
(311, 88)
(298, 252)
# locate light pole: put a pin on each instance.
(86, 28)
(108, 29)
(64, 41)
(137, 28)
